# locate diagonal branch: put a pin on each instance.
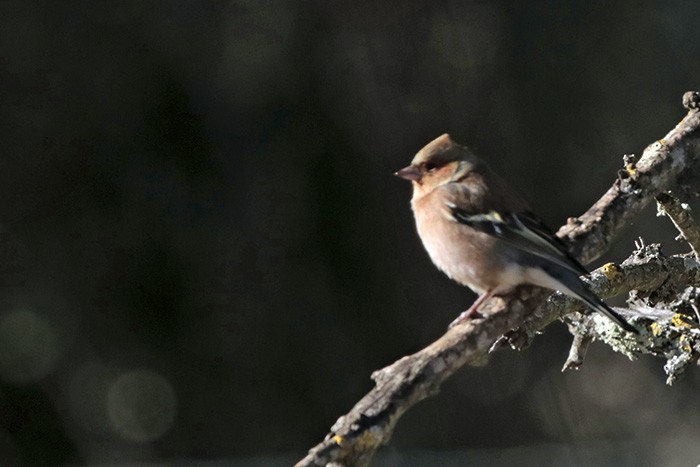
(356, 436)
(658, 170)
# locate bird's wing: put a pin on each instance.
(521, 230)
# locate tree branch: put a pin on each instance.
(679, 213)
(657, 171)
(356, 436)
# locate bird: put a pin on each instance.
(482, 234)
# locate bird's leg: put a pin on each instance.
(465, 315)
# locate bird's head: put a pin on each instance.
(440, 161)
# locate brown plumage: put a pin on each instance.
(482, 234)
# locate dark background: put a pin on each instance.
(204, 254)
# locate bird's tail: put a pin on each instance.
(592, 300)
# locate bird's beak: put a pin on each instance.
(409, 173)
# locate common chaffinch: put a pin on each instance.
(479, 232)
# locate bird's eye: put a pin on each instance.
(430, 166)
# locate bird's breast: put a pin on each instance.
(465, 255)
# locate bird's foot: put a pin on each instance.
(472, 311)
(465, 316)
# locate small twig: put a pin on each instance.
(579, 346)
(679, 213)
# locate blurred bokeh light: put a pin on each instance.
(141, 405)
(29, 347)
